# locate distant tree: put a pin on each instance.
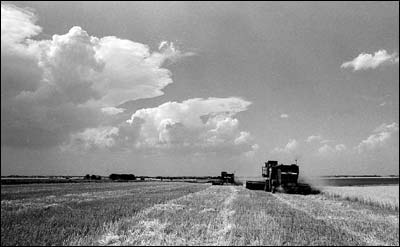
(95, 177)
(122, 177)
(87, 176)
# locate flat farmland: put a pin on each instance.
(177, 213)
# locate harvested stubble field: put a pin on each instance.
(157, 213)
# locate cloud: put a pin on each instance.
(340, 147)
(314, 138)
(252, 152)
(381, 135)
(319, 138)
(284, 115)
(100, 137)
(327, 149)
(71, 82)
(17, 24)
(170, 52)
(112, 110)
(393, 127)
(194, 122)
(290, 147)
(195, 125)
(162, 44)
(366, 61)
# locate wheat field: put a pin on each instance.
(169, 213)
(385, 196)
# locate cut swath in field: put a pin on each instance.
(263, 219)
(202, 218)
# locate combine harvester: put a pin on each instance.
(281, 178)
(225, 178)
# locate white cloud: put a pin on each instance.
(381, 135)
(253, 150)
(393, 127)
(284, 115)
(194, 125)
(327, 149)
(340, 147)
(313, 138)
(17, 25)
(112, 110)
(244, 137)
(198, 122)
(100, 137)
(290, 147)
(169, 51)
(162, 44)
(368, 61)
(51, 88)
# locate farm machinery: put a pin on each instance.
(279, 177)
(225, 178)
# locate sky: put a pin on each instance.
(196, 88)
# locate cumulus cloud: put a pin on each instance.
(66, 90)
(284, 115)
(381, 135)
(17, 24)
(198, 125)
(194, 122)
(290, 147)
(327, 149)
(52, 88)
(100, 137)
(366, 61)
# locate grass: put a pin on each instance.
(380, 196)
(188, 214)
